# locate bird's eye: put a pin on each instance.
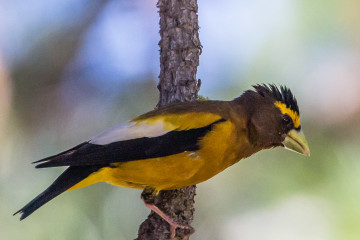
(286, 120)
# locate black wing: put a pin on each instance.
(170, 143)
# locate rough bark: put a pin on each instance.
(180, 49)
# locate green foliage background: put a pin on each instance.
(274, 194)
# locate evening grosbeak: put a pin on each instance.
(179, 145)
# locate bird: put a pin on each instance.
(179, 145)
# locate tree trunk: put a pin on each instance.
(180, 49)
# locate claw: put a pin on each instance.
(173, 225)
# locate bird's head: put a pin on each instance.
(274, 118)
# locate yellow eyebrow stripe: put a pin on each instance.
(285, 110)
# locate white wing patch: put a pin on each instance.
(129, 130)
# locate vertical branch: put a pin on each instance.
(180, 49)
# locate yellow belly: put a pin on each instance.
(170, 172)
(175, 171)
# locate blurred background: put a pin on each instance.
(69, 69)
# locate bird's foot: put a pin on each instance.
(173, 225)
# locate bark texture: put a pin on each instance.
(180, 49)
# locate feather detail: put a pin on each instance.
(129, 130)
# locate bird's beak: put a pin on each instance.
(295, 141)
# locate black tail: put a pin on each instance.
(66, 180)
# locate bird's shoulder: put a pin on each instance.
(185, 116)
(174, 117)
